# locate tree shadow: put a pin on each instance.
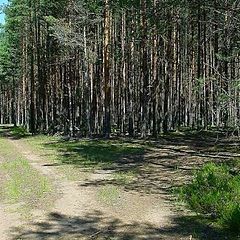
(107, 154)
(96, 225)
(160, 166)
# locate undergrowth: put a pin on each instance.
(215, 192)
(19, 132)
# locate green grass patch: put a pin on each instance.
(109, 194)
(21, 184)
(86, 153)
(125, 177)
(75, 159)
(95, 153)
(215, 192)
(41, 143)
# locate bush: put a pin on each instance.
(215, 192)
(19, 132)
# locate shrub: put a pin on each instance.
(215, 192)
(19, 132)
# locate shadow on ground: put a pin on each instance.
(99, 227)
(159, 166)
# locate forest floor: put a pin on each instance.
(119, 189)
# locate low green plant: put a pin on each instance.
(22, 184)
(216, 192)
(126, 177)
(19, 132)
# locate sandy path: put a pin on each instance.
(78, 213)
(7, 222)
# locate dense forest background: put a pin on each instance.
(131, 67)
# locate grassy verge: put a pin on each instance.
(95, 153)
(20, 183)
(77, 158)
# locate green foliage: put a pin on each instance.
(214, 191)
(227, 58)
(19, 132)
